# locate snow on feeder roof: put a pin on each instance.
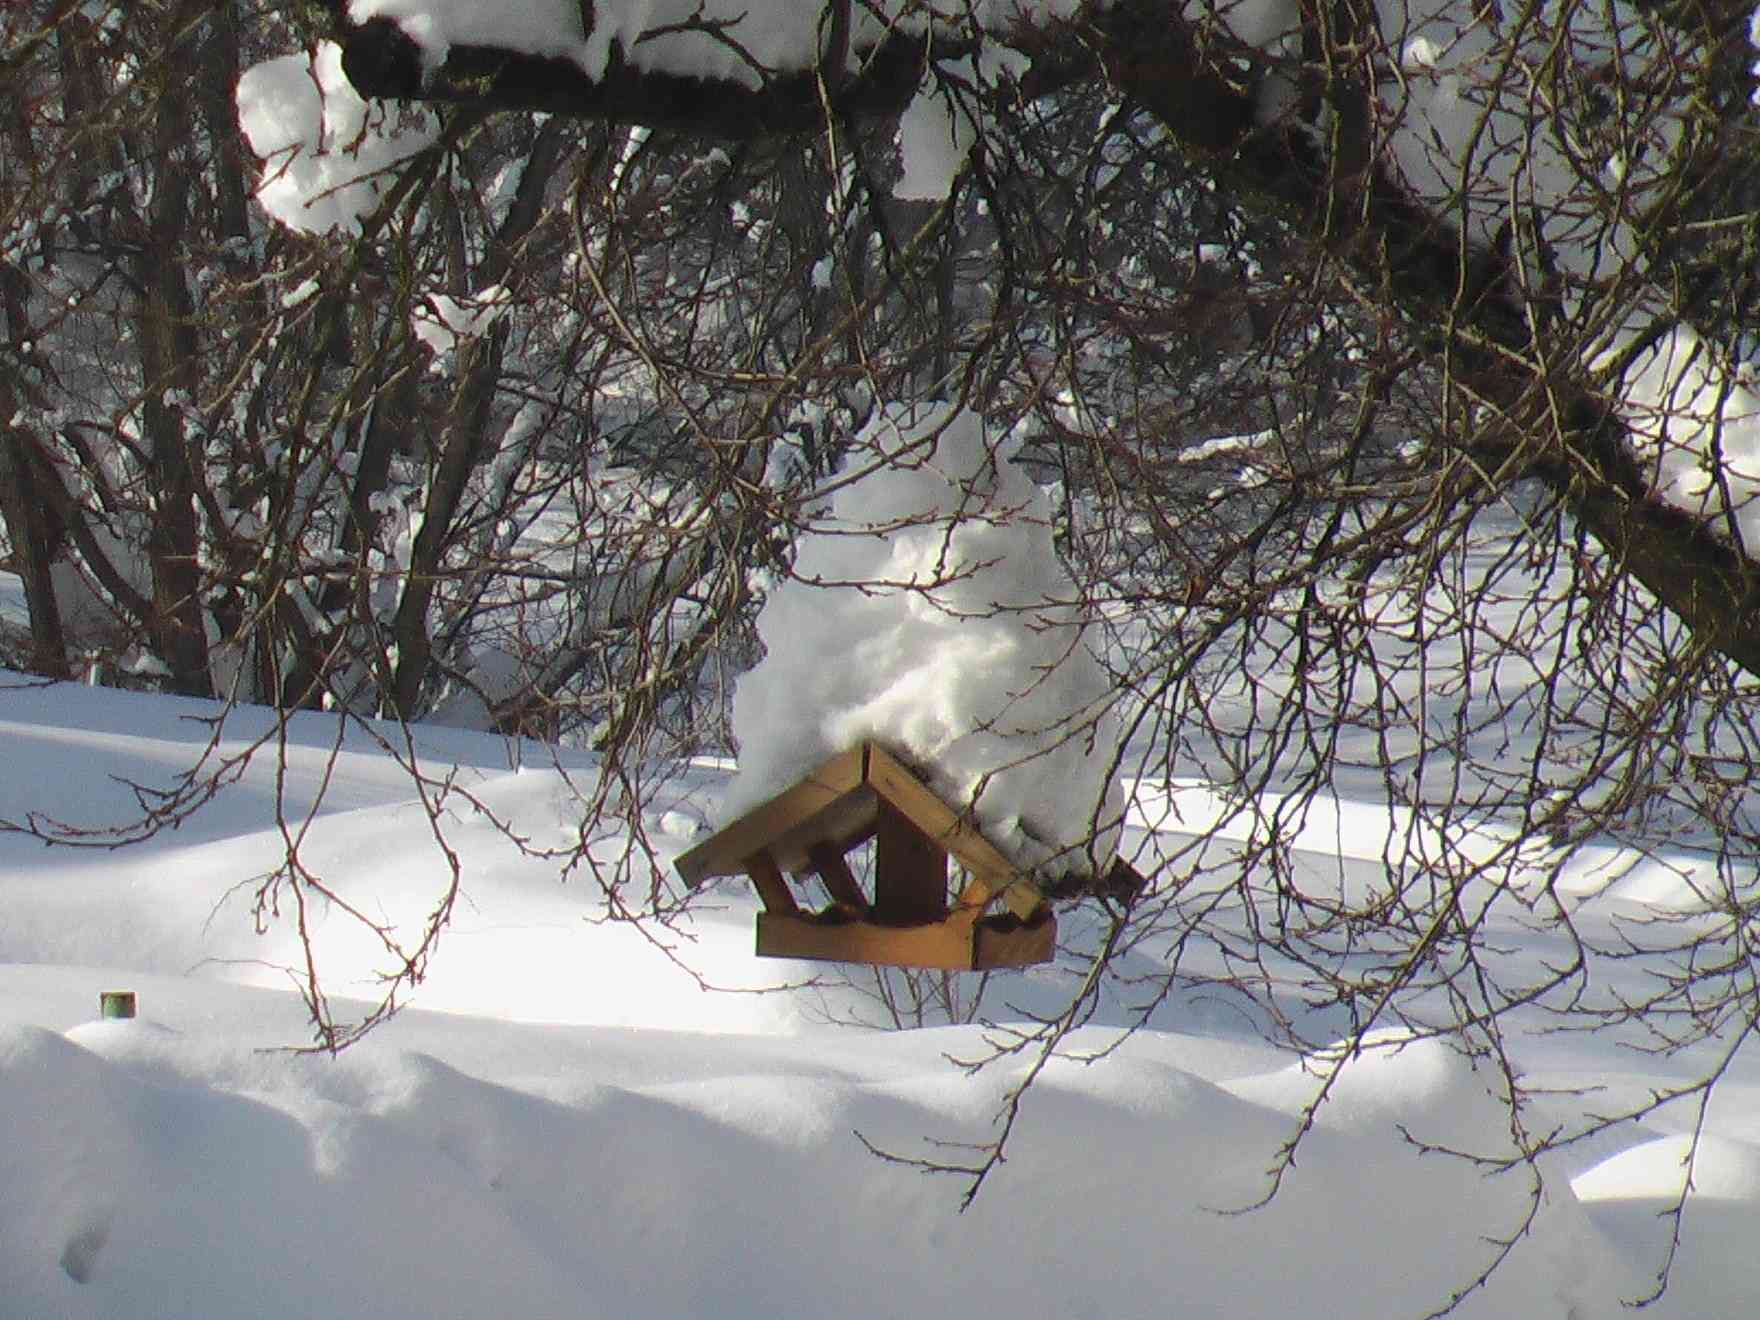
(928, 612)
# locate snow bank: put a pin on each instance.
(1630, 1194)
(1392, 1084)
(162, 1170)
(1721, 1169)
(327, 152)
(180, 1165)
(928, 611)
(179, 904)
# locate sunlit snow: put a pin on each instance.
(327, 154)
(568, 1124)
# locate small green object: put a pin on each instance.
(116, 1003)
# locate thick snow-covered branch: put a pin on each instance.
(1416, 146)
(722, 86)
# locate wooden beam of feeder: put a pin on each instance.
(768, 879)
(910, 871)
(758, 830)
(963, 942)
(990, 872)
(839, 880)
(839, 805)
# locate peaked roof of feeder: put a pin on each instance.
(839, 804)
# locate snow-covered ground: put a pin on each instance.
(567, 1123)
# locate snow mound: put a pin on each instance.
(928, 612)
(181, 1164)
(161, 1173)
(1723, 1169)
(1394, 1083)
(1631, 1197)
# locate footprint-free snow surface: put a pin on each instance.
(573, 1119)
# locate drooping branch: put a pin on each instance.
(1207, 89)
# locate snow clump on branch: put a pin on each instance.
(1693, 421)
(928, 611)
(329, 154)
(440, 320)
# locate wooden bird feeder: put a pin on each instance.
(867, 794)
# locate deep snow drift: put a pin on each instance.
(585, 1131)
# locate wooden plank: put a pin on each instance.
(833, 871)
(910, 871)
(954, 832)
(725, 853)
(845, 823)
(771, 885)
(945, 946)
(834, 806)
(1002, 942)
(988, 872)
(954, 945)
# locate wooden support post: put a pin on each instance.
(840, 882)
(772, 887)
(910, 872)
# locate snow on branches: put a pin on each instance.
(329, 154)
(1507, 174)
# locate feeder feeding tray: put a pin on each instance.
(862, 794)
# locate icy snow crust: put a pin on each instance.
(586, 1132)
(928, 611)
